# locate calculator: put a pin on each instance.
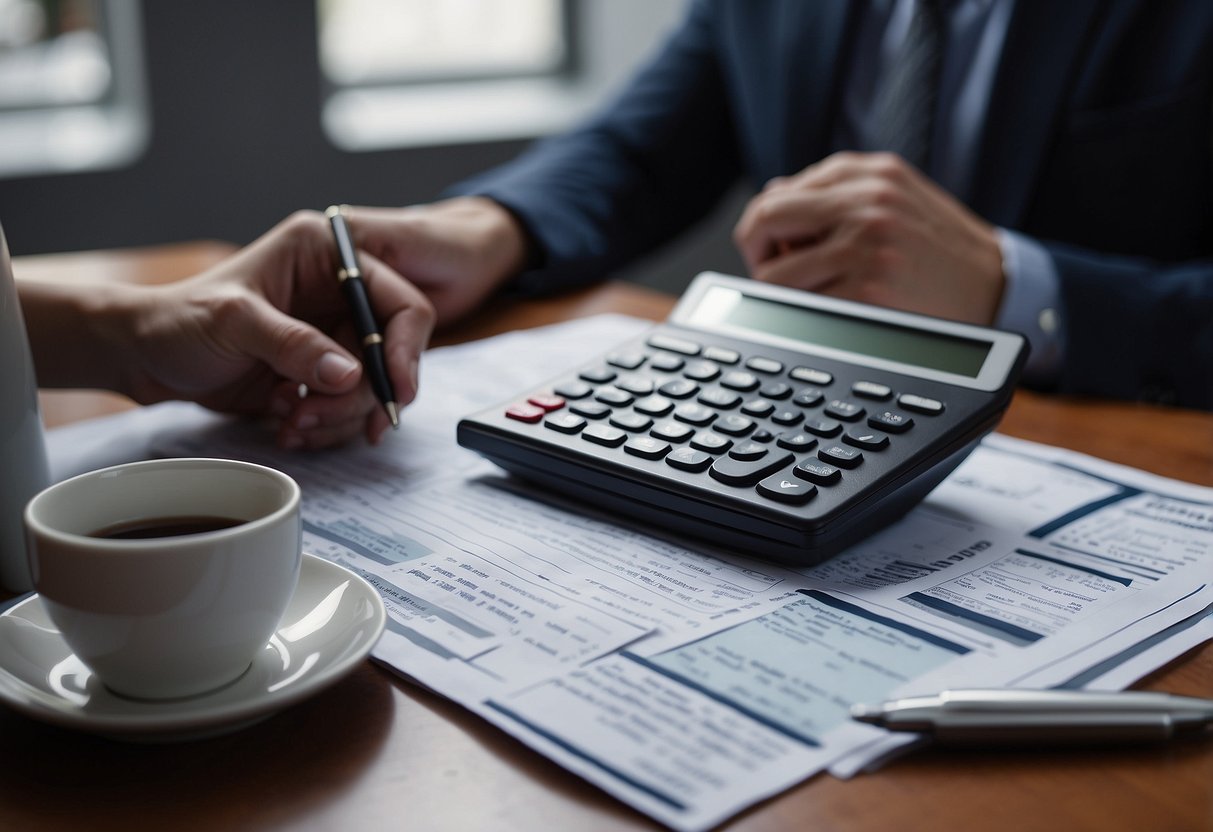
(774, 422)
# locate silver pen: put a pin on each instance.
(1042, 716)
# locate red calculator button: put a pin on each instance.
(547, 402)
(525, 412)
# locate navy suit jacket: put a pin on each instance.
(1097, 144)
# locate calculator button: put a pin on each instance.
(636, 385)
(669, 342)
(719, 399)
(739, 380)
(694, 414)
(689, 459)
(809, 397)
(671, 431)
(822, 427)
(546, 402)
(654, 405)
(598, 375)
(590, 410)
(758, 407)
(701, 370)
(647, 447)
(819, 472)
(734, 425)
(787, 489)
(748, 451)
(787, 417)
(847, 411)
(613, 396)
(764, 365)
(891, 421)
(866, 439)
(737, 472)
(796, 441)
(626, 360)
(604, 435)
(679, 388)
(573, 390)
(721, 355)
(776, 390)
(525, 413)
(810, 376)
(666, 363)
(920, 404)
(564, 422)
(840, 456)
(872, 390)
(762, 435)
(631, 421)
(713, 443)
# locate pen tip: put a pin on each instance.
(864, 713)
(392, 414)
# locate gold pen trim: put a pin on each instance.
(344, 274)
(373, 338)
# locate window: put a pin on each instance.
(71, 85)
(404, 73)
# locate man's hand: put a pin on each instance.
(245, 335)
(871, 228)
(458, 251)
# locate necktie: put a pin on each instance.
(905, 105)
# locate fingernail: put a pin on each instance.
(334, 368)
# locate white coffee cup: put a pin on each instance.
(167, 616)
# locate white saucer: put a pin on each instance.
(332, 622)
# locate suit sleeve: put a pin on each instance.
(644, 169)
(1136, 329)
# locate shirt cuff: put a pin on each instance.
(1031, 305)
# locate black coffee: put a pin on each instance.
(164, 527)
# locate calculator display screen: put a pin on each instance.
(877, 339)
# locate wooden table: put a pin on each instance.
(373, 752)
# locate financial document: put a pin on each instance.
(692, 682)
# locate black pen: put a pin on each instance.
(368, 331)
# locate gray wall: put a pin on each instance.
(236, 144)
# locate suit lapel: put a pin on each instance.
(813, 39)
(1044, 42)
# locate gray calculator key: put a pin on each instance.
(872, 390)
(590, 410)
(721, 355)
(764, 365)
(598, 375)
(671, 431)
(811, 376)
(787, 417)
(713, 443)
(626, 360)
(891, 421)
(809, 397)
(636, 385)
(739, 380)
(821, 473)
(720, 399)
(688, 459)
(654, 405)
(822, 427)
(701, 370)
(847, 411)
(738, 472)
(647, 447)
(921, 404)
(776, 390)
(840, 456)
(669, 342)
(604, 435)
(679, 388)
(758, 408)
(694, 414)
(734, 425)
(666, 363)
(796, 441)
(613, 396)
(748, 451)
(573, 390)
(631, 421)
(869, 440)
(564, 422)
(785, 488)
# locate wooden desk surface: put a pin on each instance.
(373, 752)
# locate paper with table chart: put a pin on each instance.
(692, 683)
